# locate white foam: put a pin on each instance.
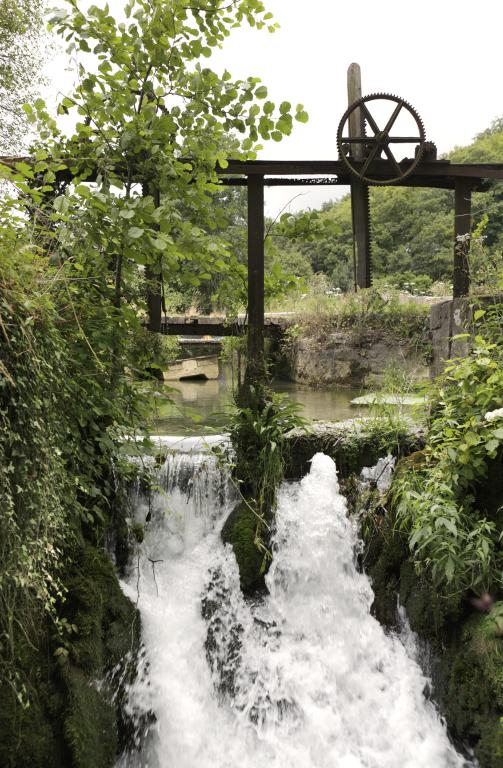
(316, 682)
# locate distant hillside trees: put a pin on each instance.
(412, 229)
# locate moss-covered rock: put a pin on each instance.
(75, 691)
(469, 686)
(240, 531)
(90, 725)
(352, 444)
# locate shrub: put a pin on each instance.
(445, 505)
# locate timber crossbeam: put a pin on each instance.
(201, 325)
(434, 173)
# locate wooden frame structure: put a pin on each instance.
(463, 178)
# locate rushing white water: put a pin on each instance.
(304, 677)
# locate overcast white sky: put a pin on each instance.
(443, 56)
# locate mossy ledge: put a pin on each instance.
(75, 718)
(353, 444)
(466, 645)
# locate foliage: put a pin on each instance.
(452, 533)
(259, 453)
(152, 352)
(285, 265)
(149, 108)
(412, 229)
(21, 56)
(60, 426)
(418, 285)
(34, 483)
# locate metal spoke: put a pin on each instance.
(404, 139)
(355, 140)
(392, 159)
(391, 121)
(370, 119)
(390, 139)
(370, 158)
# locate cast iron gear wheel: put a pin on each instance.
(374, 146)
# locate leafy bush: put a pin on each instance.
(454, 533)
(149, 351)
(60, 427)
(419, 285)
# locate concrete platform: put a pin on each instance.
(205, 367)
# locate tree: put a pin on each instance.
(21, 36)
(153, 124)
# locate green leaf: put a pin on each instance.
(302, 117)
(449, 569)
(135, 232)
(61, 204)
(261, 92)
(471, 438)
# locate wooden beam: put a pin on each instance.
(360, 209)
(354, 82)
(381, 168)
(462, 232)
(442, 170)
(205, 325)
(154, 279)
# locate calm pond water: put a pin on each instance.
(203, 405)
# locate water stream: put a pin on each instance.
(304, 677)
(196, 406)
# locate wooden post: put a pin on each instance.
(255, 369)
(154, 300)
(360, 210)
(355, 93)
(154, 293)
(462, 231)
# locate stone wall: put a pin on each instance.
(449, 319)
(347, 358)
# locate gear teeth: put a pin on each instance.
(369, 236)
(421, 138)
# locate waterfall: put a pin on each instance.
(303, 677)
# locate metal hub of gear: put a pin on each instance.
(362, 153)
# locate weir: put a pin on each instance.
(300, 677)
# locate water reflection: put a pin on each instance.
(203, 405)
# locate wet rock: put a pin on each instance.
(240, 531)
